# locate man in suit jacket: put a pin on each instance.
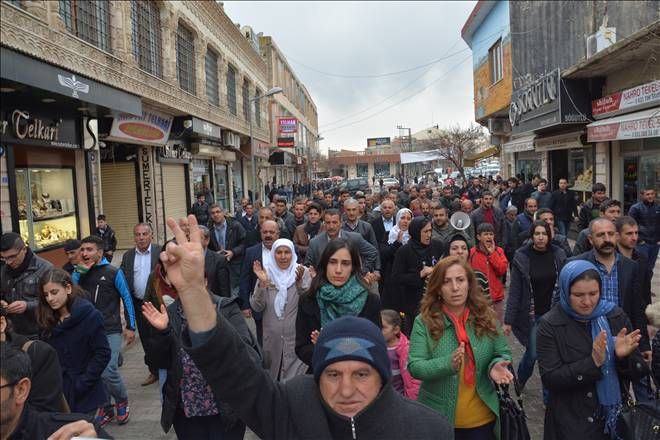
(270, 232)
(216, 267)
(381, 226)
(137, 264)
(227, 238)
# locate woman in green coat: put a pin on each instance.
(458, 351)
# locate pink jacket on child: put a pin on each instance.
(410, 384)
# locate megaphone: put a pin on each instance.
(460, 221)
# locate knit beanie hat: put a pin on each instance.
(351, 339)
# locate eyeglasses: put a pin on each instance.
(10, 258)
(8, 385)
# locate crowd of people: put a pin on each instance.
(342, 315)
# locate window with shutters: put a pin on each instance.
(212, 87)
(257, 109)
(185, 58)
(246, 100)
(88, 20)
(231, 90)
(495, 62)
(146, 30)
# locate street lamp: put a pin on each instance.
(271, 92)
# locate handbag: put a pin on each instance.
(639, 420)
(513, 421)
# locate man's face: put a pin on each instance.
(185, 226)
(12, 400)
(201, 199)
(511, 215)
(612, 213)
(563, 184)
(332, 223)
(142, 236)
(73, 256)
(603, 237)
(244, 203)
(362, 203)
(313, 216)
(269, 233)
(328, 199)
(531, 207)
(218, 216)
(599, 196)
(14, 257)
(487, 201)
(90, 254)
(349, 386)
(387, 209)
(413, 193)
(648, 196)
(426, 208)
(486, 238)
(352, 212)
(512, 184)
(299, 210)
(446, 191)
(629, 236)
(541, 186)
(393, 193)
(440, 217)
(343, 197)
(101, 224)
(249, 210)
(466, 206)
(549, 218)
(476, 182)
(265, 214)
(280, 207)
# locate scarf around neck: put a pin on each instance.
(24, 265)
(394, 232)
(312, 228)
(459, 322)
(281, 278)
(335, 302)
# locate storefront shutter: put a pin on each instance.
(120, 204)
(174, 190)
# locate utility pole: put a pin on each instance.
(409, 146)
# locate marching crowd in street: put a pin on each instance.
(327, 313)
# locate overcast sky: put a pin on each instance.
(366, 39)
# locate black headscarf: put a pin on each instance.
(455, 237)
(415, 231)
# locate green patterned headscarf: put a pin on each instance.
(335, 302)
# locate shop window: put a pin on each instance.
(382, 169)
(257, 109)
(185, 58)
(221, 189)
(146, 30)
(580, 169)
(231, 90)
(362, 170)
(202, 178)
(46, 206)
(495, 62)
(212, 87)
(88, 20)
(246, 100)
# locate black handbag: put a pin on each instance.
(513, 421)
(639, 420)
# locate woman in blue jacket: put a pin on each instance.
(74, 327)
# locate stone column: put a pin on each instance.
(169, 20)
(121, 31)
(41, 10)
(201, 46)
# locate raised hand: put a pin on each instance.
(260, 273)
(314, 336)
(457, 357)
(624, 344)
(500, 373)
(598, 351)
(300, 271)
(158, 319)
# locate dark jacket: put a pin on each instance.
(291, 224)
(46, 373)
(309, 319)
(386, 253)
(39, 425)
(83, 351)
(248, 278)
(647, 217)
(368, 253)
(564, 205)
(630, 295)
(217, 274)
(128, 264)
(477, 217)
(106, 285)
(201, 212)
(165, 350)
(406, 285)
(109, 238)
(251, 230)
(24, 287)
(588, 212)
(569, 373)
(295, 409)
(519, 300)
(582, 243)
(234, 240)
(544, 199)
(655, 363)
(520, 229)
(364, 229)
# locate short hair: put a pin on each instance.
(94, 239)
(595, 221)
(266, 208)
(11, 240)
(14, 364)
(598, 187)
(200, 194)
(146, 225)
(530, 198)
(280, 199)
(626, 220)
(73, 244)
(512, 179)
(648, 187)
(543, 181)
(215, 205)
(392, 317)
(485, 227)
(350, 202)
(440, 206)
(332, 211)
(607, 204)
(344, 191)
(486, 193)
(542, 211)
(316, 206)
(205, 231)
(512, 208)
(327, 193)
(100, 217)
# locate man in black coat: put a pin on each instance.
(227, 238)
(381, 226)
(215, 267)
(564, 206)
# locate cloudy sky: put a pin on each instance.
(348, 54)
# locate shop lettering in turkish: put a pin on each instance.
(147, 191)
(642, 96)
(287, 125)
(285, 142)
(25, 126)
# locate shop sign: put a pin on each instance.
(287, 125)
(151, 128)
(30, 127)
(643, 127)
(375, 142)
(285, 142)
(646, 95)
(147, 186)
(174, 153)
(206, 129)
(542, 92)
(260, 149)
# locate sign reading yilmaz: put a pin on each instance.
(287, 125)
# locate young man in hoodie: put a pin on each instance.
(488, 258)
(106, 286)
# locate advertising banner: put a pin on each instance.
(287, 125)
(152, 128)
(642, 96)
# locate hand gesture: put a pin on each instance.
(129, 336)
(457, 357)
(158, 320)
(506, 328)
(399, 237)
(312, 272)
(314, 336)
(261, 274)
(300, 271)
(598, 351)
(490, 247)
(17, 307)
(624, 344)
(426, 271)
(500, 373)
(184, 260)
(228, 254)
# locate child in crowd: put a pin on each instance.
(397, 350)
(489, 259)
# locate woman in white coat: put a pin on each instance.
(276, 295)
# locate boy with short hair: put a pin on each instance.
(107, 234)
(488, 258)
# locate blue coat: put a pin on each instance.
(83, 351)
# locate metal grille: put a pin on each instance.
(88, 20)
(246, 100)
(212, 87)
(495, 60)
(185, 59)
(231, 90)
(146, 36)
(257, 109)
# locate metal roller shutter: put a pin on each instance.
(174, 190)
(120, 203)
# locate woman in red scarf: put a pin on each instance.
(457, 350)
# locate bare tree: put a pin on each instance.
(455, 144)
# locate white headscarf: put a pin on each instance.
(281, 278)
(394, 232)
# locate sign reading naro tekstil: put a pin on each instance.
(645, 95)
(287, 125)
(151, 128)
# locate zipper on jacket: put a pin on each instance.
(353, 428)
(96, 293)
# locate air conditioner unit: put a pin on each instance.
(604, 38)
(499, 126)
(230, 139)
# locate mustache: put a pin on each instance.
(606, 244)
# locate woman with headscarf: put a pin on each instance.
(413, 262)
(308, 230)
(399, 233)
(585, 349)
(276, 295)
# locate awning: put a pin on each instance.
(638, 125)
(488, 152)
(564, 141)
(524, 143)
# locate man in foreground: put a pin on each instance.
(349, 396)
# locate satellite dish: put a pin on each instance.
(460, 221)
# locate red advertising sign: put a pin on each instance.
(644, 127)
(286, 142)
(642, 96)
(287, 125)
